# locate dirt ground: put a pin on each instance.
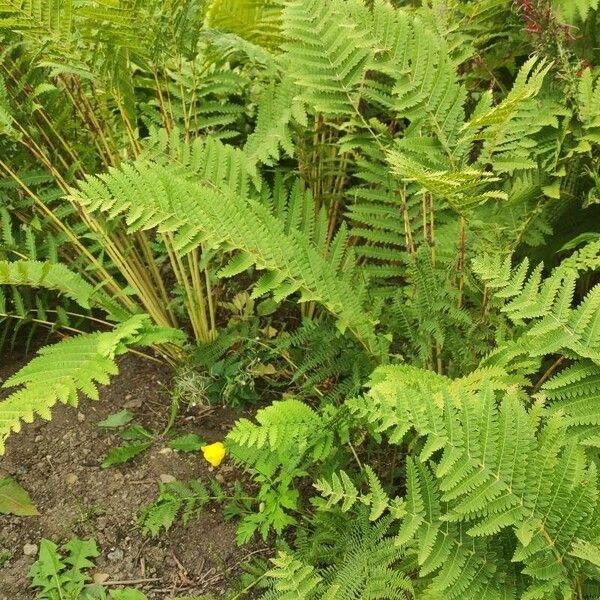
(58, 463)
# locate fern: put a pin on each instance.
(47, 275)
(60, 372)
(341, 490)
(575, 11)
(278, 108)
(176, 498)
(546, 305)
(327, 62)
(483, 469)
(53, 18)
(257, 21)
(208, 214)
(368, 567)
(292, 579)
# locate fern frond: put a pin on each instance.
(53, 276)
(484, 468)
(327, 54)
(258, 21)
(554, 325)
(61, 371)
(52, 18)
(208, 214)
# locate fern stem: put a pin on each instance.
(87, 118)
(161, 103)
(62, 227)
(150, 262)
(135, 146)
(547, 374)
(410, 247)
(461, 260)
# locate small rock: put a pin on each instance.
(132, 402)
(167, 478)
(118, 475)
(30, 549)
(71, 479)
(38, 439)
(80, 417)
(166, 451)
(100, 578)
(116, 554)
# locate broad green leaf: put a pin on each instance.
(15, 500)
(187, 443)
(117, 419)
(135, 432)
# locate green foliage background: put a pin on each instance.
(378, 218)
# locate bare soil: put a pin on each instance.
(58, 463)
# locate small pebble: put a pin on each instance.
(116, 554)
(30, 549)
(71, 479)
(100, 578)
(38, 438)
(167, 478)
(80, 417)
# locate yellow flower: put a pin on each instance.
(214, 453)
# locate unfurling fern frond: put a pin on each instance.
(60, 372)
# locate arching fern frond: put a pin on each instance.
(60, 372)
(53, 276)
(208, 214)
(485, 477)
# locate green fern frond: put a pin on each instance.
(53, 276)
(258, 21)
(208, 214)
(341, 490)
(554, 325)
(292, 580)
(52, 18)
(327, 54)
(61, 371)
(483, 469)
(277, 109)
(573, 11)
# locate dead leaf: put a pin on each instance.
(15, 500)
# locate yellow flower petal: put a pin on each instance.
(214, 453)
